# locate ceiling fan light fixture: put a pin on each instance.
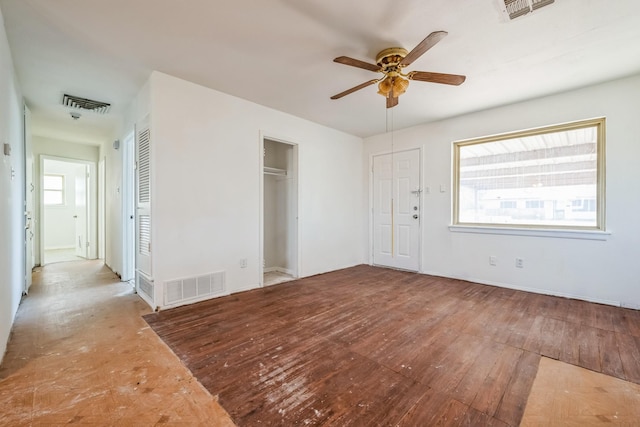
(385, 86)
(400, 86)
(391, 63)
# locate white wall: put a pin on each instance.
(205, 153)
(605, 271)
(60, 225)
(44, 146)
(12, 263)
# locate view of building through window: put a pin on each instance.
(544, 178)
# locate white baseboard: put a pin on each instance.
(534, 290)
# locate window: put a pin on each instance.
(550, 177)
(53, 187)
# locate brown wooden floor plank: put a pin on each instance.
(514, 400)
(470, 384)
(589, 349)
(435, 409)
(494, 386)
(629, 347)
(610, 355)
(552, 335)
(570, 352)
(535, 336)
(455, 363)
(475, 418)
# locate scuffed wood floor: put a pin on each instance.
(369, 346)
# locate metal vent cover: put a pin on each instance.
(516, 8)
(85, 104)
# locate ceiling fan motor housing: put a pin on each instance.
(391, 57)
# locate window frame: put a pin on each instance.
(600, 226)
(61, 190)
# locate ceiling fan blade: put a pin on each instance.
(447, 79)
(422, 47)
(391, 101)
(356, 63)
(353, 89)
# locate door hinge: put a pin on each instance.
(149, 247)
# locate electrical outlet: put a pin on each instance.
(243, 263)
(493, 260)
(519, 263)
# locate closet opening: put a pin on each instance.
(279, 212)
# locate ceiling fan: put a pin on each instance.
(390, 62)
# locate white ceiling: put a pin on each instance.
(279, 54)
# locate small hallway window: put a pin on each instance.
(53, 187)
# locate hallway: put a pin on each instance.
(81, 353)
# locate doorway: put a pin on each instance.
(396, 207)
(67, 210)
(279, 212)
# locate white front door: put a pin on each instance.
(396, 210)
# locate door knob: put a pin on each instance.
(415, 216)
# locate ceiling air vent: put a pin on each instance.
(516, 8)
(85, 104)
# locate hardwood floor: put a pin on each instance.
(370, 346)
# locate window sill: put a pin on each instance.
(532, 232)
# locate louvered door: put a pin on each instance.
(143, 199)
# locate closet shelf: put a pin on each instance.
(274, 171)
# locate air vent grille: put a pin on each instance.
(194, 288)
(144, 285)
(516, 8)
(85, 104)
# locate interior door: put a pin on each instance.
(81, 215)
(396, 210)
(143, 200)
